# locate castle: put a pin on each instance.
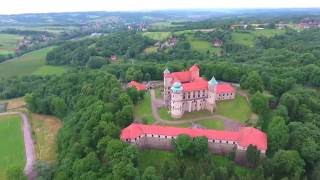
(186, 91)
(219, 142)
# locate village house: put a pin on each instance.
(217, 43)
(186, 91)
(138, 86)
(219, 142)
(113, 57)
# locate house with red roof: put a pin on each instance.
(186, 91)
(219, 142)
(138, 86)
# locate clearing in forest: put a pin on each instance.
(45, 130)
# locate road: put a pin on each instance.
(28, 143)
(229, 124)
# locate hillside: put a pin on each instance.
(30, 63)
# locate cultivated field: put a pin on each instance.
(27, 64)
(12, 151)
(8, 43)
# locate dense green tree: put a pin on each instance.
(278, 134)
(200, 147)
(259, 103)
(96, 62)
(253, 155)
(183, 145)
(253, 82)
(287, 164)
(150, 174)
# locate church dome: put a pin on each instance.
(213, 81)
(177, 87)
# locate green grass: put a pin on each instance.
(156, 158)
(268, 32)
(151, 49)
(50, 70)
(246, 39)
(249, 38)
(164, 114)
(237, 109)
(203, 46)
(8, 43)
(158, 93)
(12, 146)
(211, 124)
(144, 110)
(159, 36)
(27, 64)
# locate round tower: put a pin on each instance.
(176, 100)
(211, 101)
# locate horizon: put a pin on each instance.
(15, 7)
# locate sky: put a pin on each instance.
(43, 6)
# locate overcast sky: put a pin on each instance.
(36, 6)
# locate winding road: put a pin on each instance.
(229, 124)
(28, 143)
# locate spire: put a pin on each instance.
(213, 81)
(166, 71)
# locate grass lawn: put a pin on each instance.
(45, 130)
(237, 109)
(8, 43)
(28, 64)
(156, 158)
(159, 36)
(50, 70)
(211, 124)
(12, 145)
(164, 114)
(143, 109)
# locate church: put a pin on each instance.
(186, 91)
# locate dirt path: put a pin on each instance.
(229, 124)
(28, 143)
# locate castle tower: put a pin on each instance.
(176, 100)
(211, 100)
(195, 72)
(166, 87)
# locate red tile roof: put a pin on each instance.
(138, 86)
(183, 76)
(195, 86)
(225, 88)
(244, 137)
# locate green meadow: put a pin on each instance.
(30, 63)
(12, 145)
(8, 43)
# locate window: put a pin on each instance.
(159, 136)
(152, 135)
(165, 137)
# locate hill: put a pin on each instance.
(33, 62)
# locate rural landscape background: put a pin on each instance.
(65, 75)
